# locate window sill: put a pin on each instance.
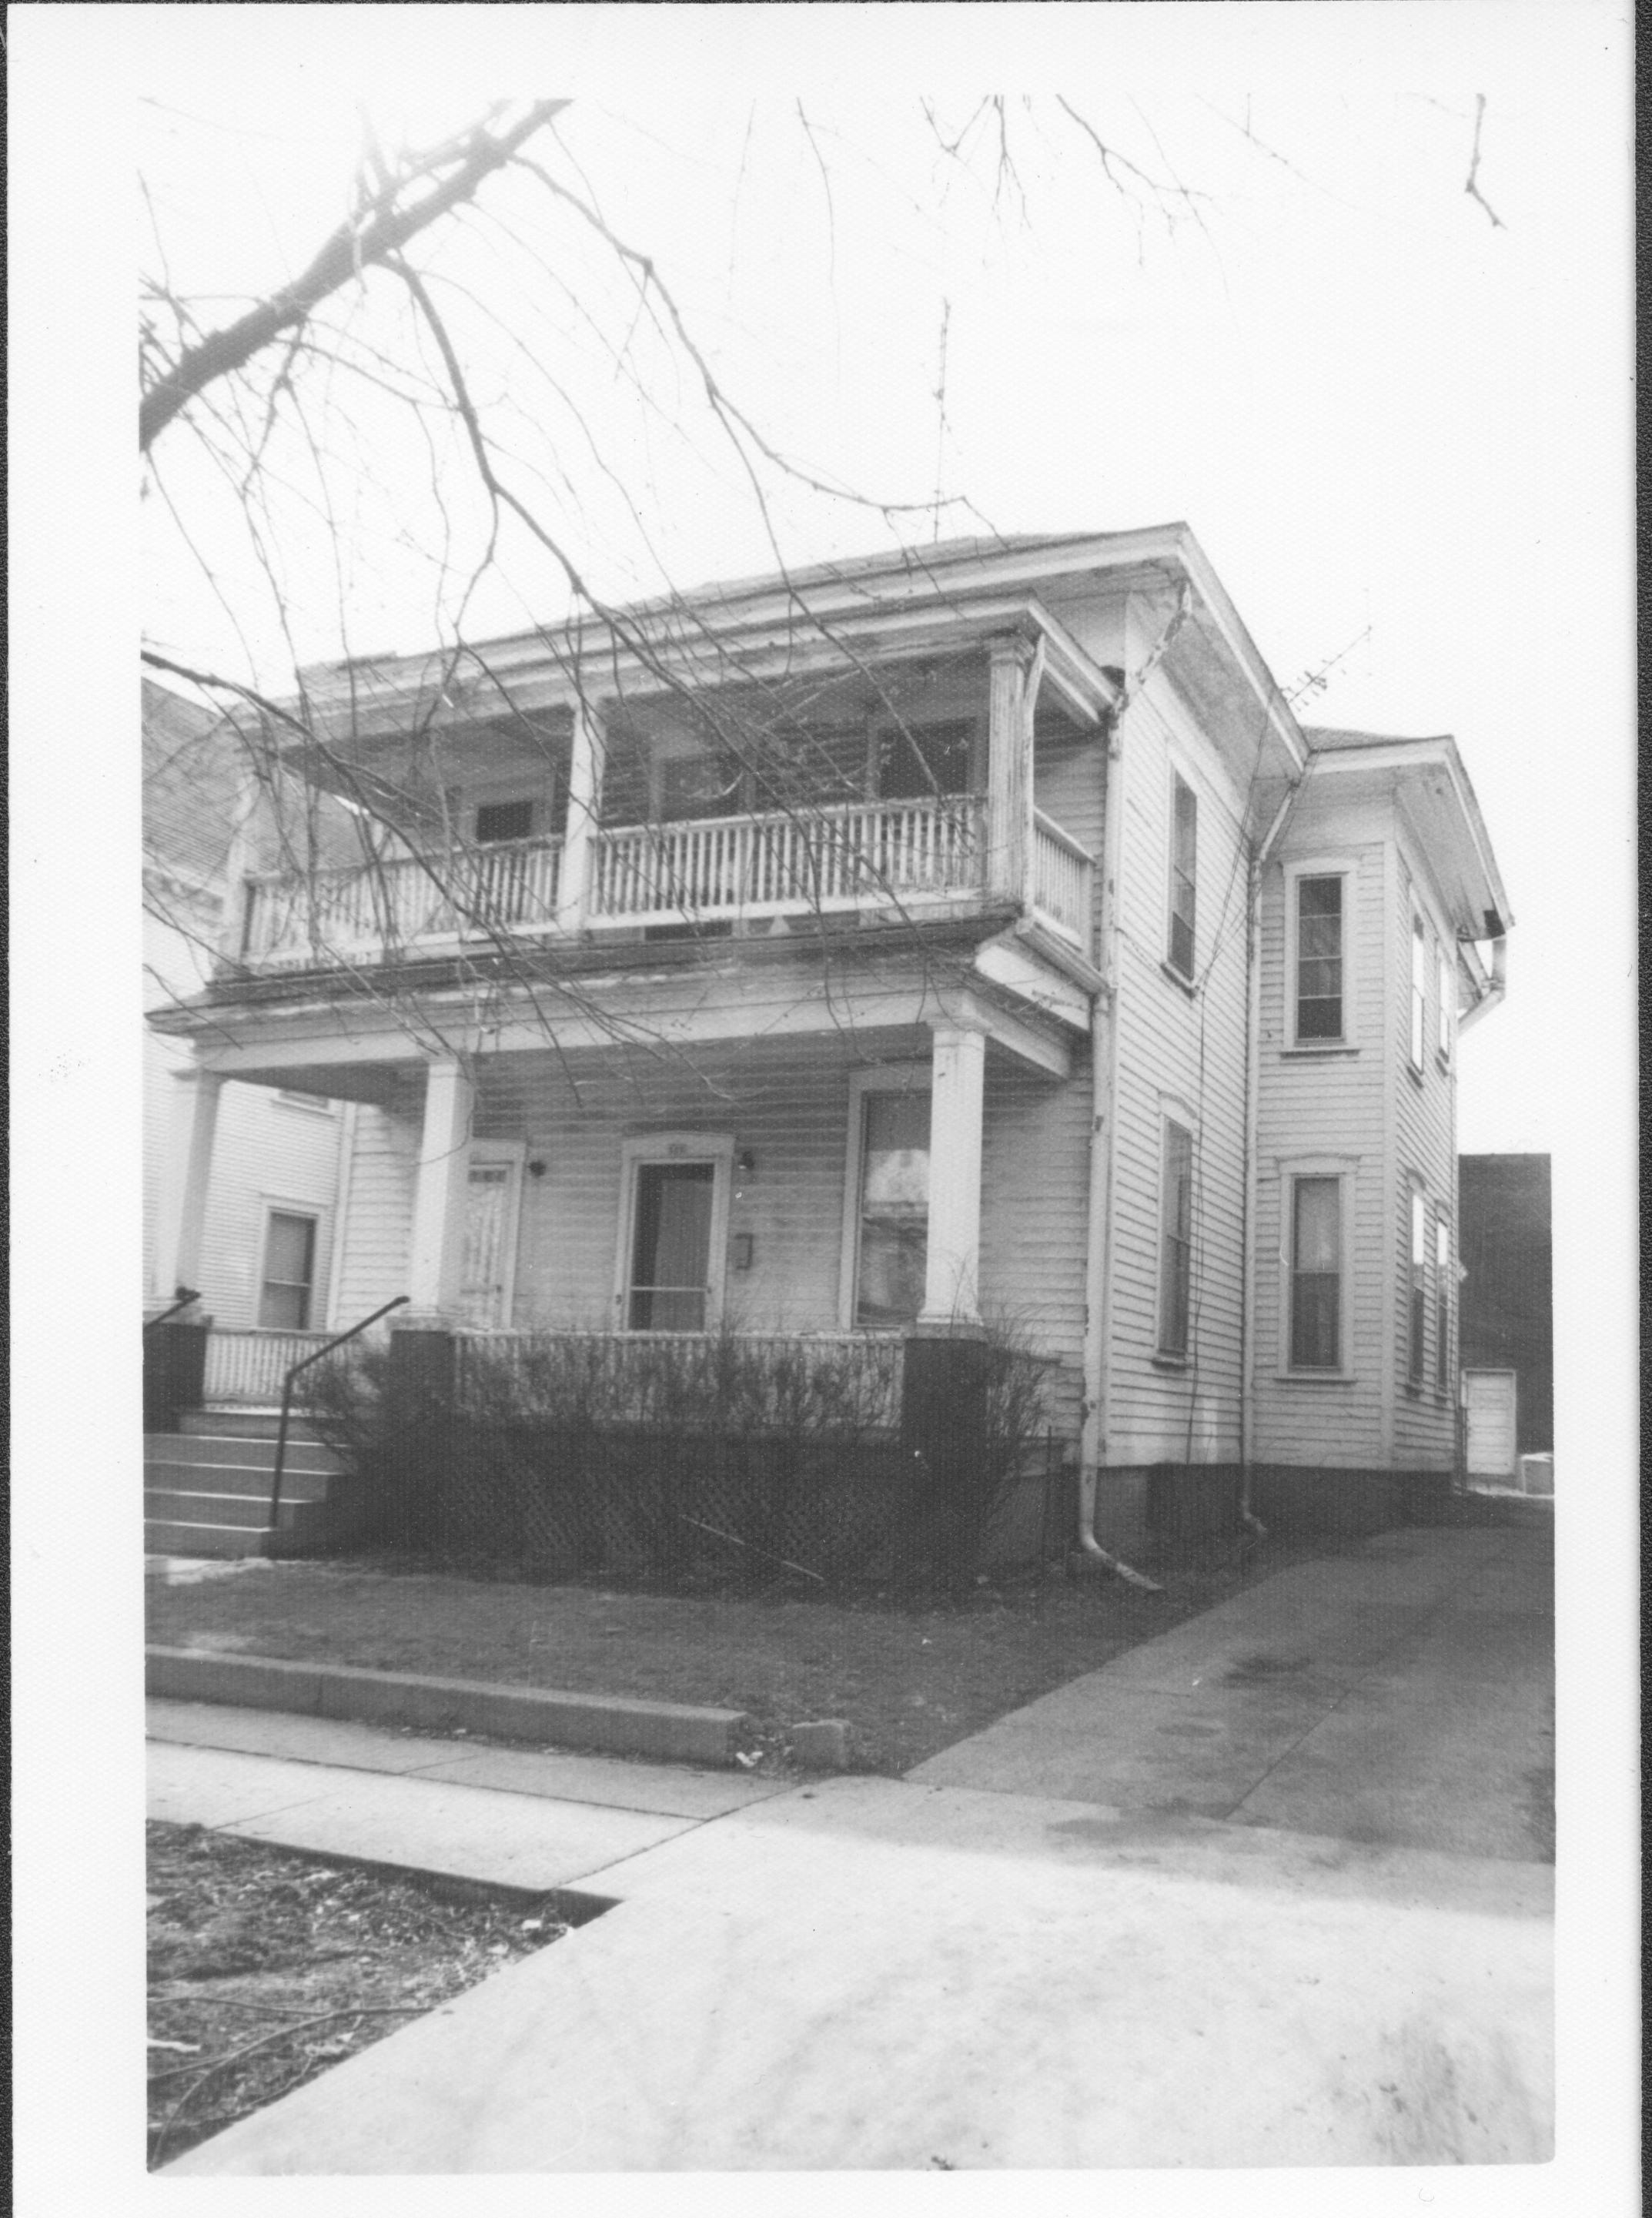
(1179, 979)
(1412, 1073)
(1316, 1377)
(1317, 1049)
(1413, 1391)
(1170, 1362)
(1442, 1063)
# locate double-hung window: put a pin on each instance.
(1320, 984)
(1175, 1239)
(1417, 1291)
(1442, 1302)
(1418, 991)
(1315, 1258)
(1447, 1003)
(1183, 874)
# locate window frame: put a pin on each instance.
(1416, 1284)
(1417, 1037)
(314, 1300)
(1344, 869)
(718, 1149)
(1446, 976)
(890, 1078)
(1175, 1137)
(1344, 1170)
(1182, 878)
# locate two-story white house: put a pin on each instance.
(890, 947)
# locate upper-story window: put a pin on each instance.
(1184, 874)
(1319, 985)
(1417, 1292)
(499, 821)
(1447, 1005)
(1418, 991)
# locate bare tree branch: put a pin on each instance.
(384, 225)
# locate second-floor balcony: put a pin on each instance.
(912, 856)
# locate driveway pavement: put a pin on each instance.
(1267, 1891)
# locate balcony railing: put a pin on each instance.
(842, 857)
(1062, 874)
(402, 902)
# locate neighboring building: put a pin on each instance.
(1507, 1330)
(971, 934)
(263, 1249)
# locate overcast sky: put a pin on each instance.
(1399, 428)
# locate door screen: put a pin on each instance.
(670, 1248)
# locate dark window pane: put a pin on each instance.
(1315, 1316)
(1176, 1240)
(1319, 1020)
(503, 819)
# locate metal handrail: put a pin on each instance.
(186, 1295)
(293, 1371)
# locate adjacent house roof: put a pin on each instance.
(1427, 774)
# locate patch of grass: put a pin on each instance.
(911, 1677)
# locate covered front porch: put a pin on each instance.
(836, 1178)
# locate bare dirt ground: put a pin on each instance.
(266, 1968)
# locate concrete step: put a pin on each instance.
(246, 1422)
(169, 1505)
(232, 1451)
(233, 1478)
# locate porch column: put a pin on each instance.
(439, 1190)
(952, 1273)
(575, 880)
(240, 861)
(183, 1202)
(1016, 666)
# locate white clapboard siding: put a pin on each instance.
(1188, 1047)
(1326, 1105)
(379, 1212)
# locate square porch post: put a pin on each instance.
(952, 1269)
(439, 1190)
(1015, 670)
(183, 1204)
(577, 874)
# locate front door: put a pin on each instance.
(1488, 1400)
(488, 1253)
(670, 1288)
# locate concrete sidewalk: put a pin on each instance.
(1181, 1912)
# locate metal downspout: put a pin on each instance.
(1104, 1074)
(1253, 1102)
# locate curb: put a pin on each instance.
(613, 1725)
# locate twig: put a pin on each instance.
(281, 2033)
(1472, 187)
